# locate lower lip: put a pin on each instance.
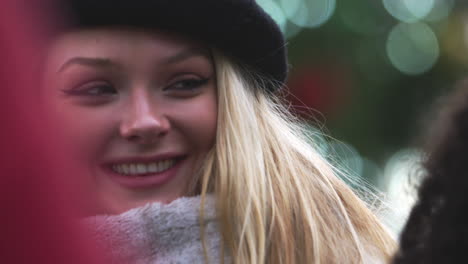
(146, 180)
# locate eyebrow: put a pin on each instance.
(93, 62)
(186, 54)
(107, 63)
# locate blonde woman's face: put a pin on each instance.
(138, 109)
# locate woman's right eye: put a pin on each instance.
(93, 89)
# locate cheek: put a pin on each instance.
(197, 121)
(85, 132)
(205, 126)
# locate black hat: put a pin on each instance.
(239, 28)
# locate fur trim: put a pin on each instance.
(159, 233)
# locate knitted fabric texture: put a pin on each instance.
(159, 233)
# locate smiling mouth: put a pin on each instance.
(141, 169)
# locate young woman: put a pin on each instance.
(436, 231)
(169, 99)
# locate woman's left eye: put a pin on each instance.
(187, 85)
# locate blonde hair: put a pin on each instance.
(278, 200)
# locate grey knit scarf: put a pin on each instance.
(167, 234)
(159, 233)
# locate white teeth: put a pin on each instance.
(143, 168)
(132, 169)
(125, 169)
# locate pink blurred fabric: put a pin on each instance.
(36, 214)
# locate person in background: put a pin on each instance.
(174, 116)
(436, 231)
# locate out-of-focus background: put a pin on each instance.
(373, 71)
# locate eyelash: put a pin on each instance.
(189, 85)
(104, 89)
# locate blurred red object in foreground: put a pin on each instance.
(35, 220)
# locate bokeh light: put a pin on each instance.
(372, 172)
(402, 172)
(412, 48)
(441, 10)
(292, 30)
(275, 11)
(346, 158)
(317, 139)
(454, 40)
(308, 13)
(386, 48)
(409, 10)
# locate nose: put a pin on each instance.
(143, 121)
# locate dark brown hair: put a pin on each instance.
(437, 229)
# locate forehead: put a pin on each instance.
(118, 42)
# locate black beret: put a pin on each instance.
(239, 28)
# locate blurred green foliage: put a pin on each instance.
(346, 67)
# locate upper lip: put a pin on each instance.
(145, 159)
